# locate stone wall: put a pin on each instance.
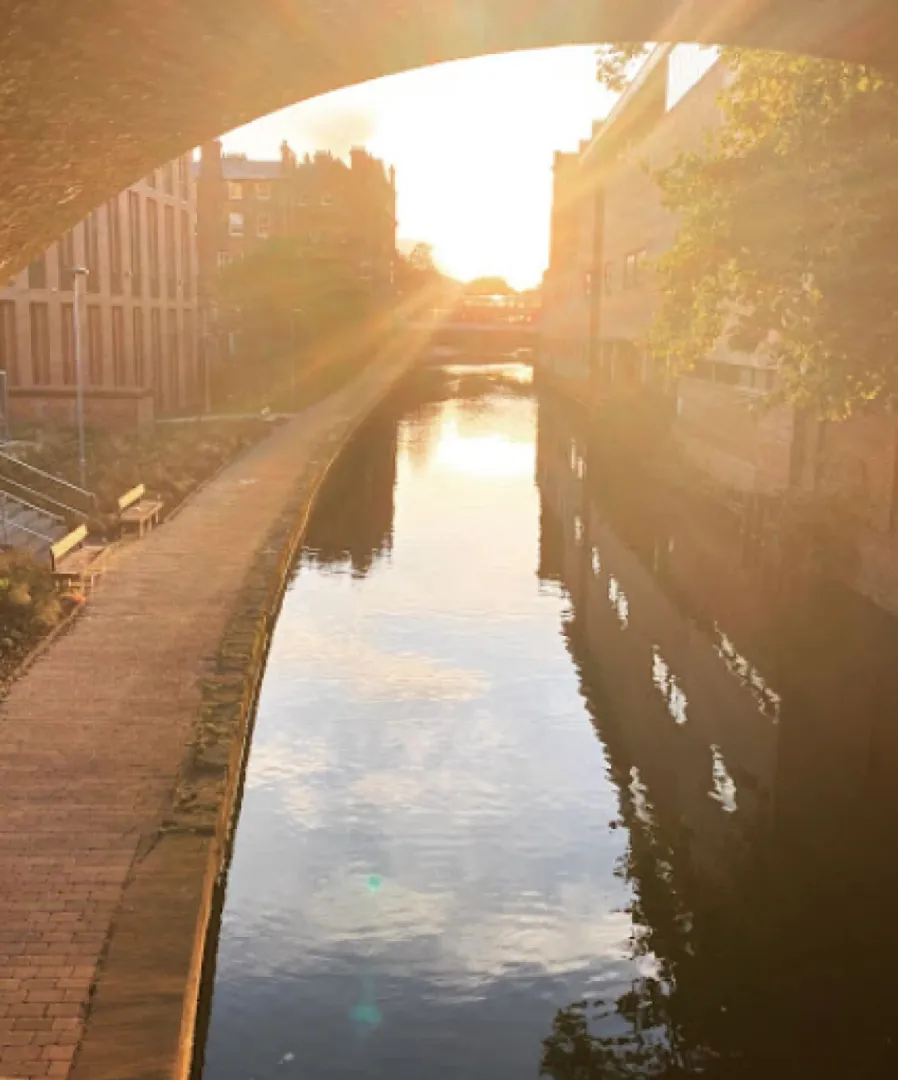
(125, 410)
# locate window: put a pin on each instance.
(224, 259)
(186, 248)
(327, 200)
(40, 344)
(119, 371)
(608, 278)
(153, 244)
(92, 250)
(634, 268)
(94, 346)
(136, 243)
(151, 179)
(188, 352)
(65, 250)
(37, 273)
(115, 246)
(172, 349)
(184, 174)
(9, 345)
(235, 224)
(171, 265)
(168, 178)
(629, 270)
(139, 364)
(263, 191)
(156, 355)
(263, 226)
(235, 191)
(68, 344)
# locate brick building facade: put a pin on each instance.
(139, 319)
(331, 205)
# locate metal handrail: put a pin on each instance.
(48, 476)
(39, 494)
(7, 524)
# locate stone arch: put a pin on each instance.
(95, 93)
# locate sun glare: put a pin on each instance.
(472, 143)
(482, 455)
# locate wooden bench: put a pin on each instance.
(137, 511)
(74, 564)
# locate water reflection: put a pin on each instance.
(354, 524)
(631, 817)
(761, 831)
(424, 867)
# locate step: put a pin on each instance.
(22, 523)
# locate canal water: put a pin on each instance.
(552, 777)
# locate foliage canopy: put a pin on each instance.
(788, 221)
(788, 225)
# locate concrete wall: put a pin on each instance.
(123, 410)
(733, 436)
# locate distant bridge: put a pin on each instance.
(478, 329)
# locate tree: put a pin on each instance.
(489, 286)
(287, 303)
(788, 229)
(417, 270)
(616, 63)
(421, 258)
(283, 284)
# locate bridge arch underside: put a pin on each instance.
(95, 93)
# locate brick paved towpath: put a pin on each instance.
(106, 864)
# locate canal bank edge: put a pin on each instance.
(142, 1015)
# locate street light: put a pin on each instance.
(80, 274)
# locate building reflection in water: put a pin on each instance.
(751, 726)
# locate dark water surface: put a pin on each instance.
(548, 779)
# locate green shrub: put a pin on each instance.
(29, 605)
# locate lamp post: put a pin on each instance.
(80, 274)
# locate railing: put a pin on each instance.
(45, 488)
(58, 518)
(6, 524)
(22, 493)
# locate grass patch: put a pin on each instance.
(172, 460)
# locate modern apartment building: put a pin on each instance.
(602, 295)
(140, 322)
(609, 226)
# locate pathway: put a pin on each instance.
(92, 737)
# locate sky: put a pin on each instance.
(472, 143)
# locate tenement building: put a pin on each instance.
(139, 312)
(333, 206)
